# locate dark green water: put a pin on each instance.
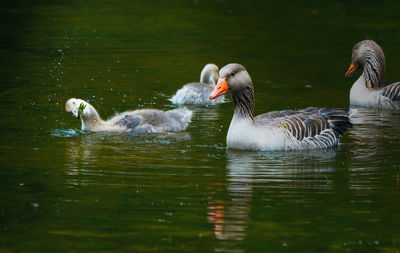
(64, 190)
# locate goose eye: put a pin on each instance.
(233, 73)
(73, 103)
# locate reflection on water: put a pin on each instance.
(374, 125)
(87, 146)
(92, 155)
(280, 174)
(374, 132)
(230, 218)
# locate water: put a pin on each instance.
(68, 190)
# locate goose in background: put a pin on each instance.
(198, 93)
(311, 128)
(369, 90)
(138, 121)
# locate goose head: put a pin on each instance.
(80, 109)
(209, 74)
(235, 79)
(369, 56)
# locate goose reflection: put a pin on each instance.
(270, 172)
(372, 130)
(204, 113)
(374, 136)
(104, 152)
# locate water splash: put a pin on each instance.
(66, 133)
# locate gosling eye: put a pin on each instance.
(73, 103)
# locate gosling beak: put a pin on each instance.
(351, 70)
(75, 113)
(220, 89)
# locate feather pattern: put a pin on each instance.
(311, 127)
(392, 91)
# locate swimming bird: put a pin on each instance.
(311, 128)
(369, 90)
(198, 93)
(138, 121)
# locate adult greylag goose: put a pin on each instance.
(138, 121)
(311, 128)
(369, 90)
(198, 93)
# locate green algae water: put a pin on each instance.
(66, 190)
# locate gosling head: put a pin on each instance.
(364, 54)
(79, 108)
(82, 110)
(209, 74)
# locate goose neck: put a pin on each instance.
(92, 120)
(374, 71)
(243, 101)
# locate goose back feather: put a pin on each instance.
(312, 127)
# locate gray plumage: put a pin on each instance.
(129, 121)
(198, 92)
(138, 121)
(368, 55)
(369, 90)
(310, 128)
(392, 91)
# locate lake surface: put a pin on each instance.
(65, 190)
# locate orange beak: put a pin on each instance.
(351, 70)
(220, 89)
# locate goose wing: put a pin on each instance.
(392, 91)
(129, 121)
(311, 127)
